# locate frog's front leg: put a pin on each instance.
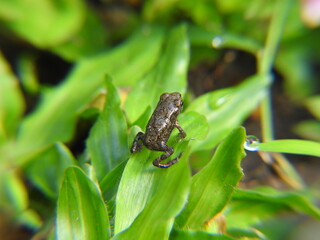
(168, 152)
(137, 143)
(182, 133)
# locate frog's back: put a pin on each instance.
(158, 129)
(162, 121)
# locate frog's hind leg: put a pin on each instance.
(137, 144)
(168, 152)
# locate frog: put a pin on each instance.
(159, 128)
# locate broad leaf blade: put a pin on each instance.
(169, 75)
(163, 196)
(309, 129)
(142, 183)
(191, 121)
(239, 233)
(107, 143)
(26, 18)
(283, 200)
(46, 170)
(211, 188)
(251, 207)
(14, 200)
(226, 109)
(13, 193)
(196, 235)
(110, 183)
(11, 102)
(28, 74)
(90, 39)
(313, 104)
(82, 214)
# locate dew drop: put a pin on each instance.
(221, 101)
(219, 98)
(252, 143)
(217, 41)
(218, 103)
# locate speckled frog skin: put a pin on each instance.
(159, 128)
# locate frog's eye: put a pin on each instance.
(178, 103)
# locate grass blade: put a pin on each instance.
(11, 102)
(107, 143)
(82, 214)
(195, 235)
(293, 146)
(211, 188)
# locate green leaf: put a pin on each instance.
(308, 129)
(284, 227)
(82, 213)
(191, 121)
(211, 188)
(55, 117)
(107, 143)
(239, 233)
(300, 82)
(195, 235)
(47, 169)
(11, 102)
(250, 207)
(30, 218)
(144, 52)
(227, 108)
(313, 104)
(293, 146)
(110, 183)
(28, 74)
(169, 75)
(14, 200)
(13, 193)
(200, 37)
(215, 39)
(231, 40)
(90, 39)
(142, 121)
(155, 9)
(26, 18)
(148, 197)
(203, 13)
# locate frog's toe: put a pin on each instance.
(182, 135)
(136, 148)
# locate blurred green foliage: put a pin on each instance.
(124, 55)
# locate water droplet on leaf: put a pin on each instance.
(221, 101)
(252, 143)
(219, 98)
(217, 41)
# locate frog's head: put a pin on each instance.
(173, 99)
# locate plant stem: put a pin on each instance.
(279, 17)
(267, 57)
(276, 28)
(266, 118)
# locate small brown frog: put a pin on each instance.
(159, 128)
